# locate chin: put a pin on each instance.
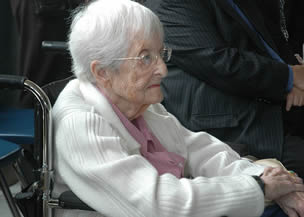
(153, 96)
(157, 99)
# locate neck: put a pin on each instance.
(129, 109)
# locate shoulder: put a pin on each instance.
(157, 116)
(71, 108)
(78, 124)
(158, 113)
(70, 97)
(189, 11)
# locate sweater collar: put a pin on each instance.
(101, 105)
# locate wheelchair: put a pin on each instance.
(34, 164)
(34, 168)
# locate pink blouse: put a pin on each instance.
(151, 148)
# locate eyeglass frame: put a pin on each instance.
(166, 49)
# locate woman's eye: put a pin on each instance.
(147, 59)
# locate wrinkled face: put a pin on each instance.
(137, 82)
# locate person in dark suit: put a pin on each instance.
(284, 19)
(277, 16)
(38, 21)
(226, 78)
(295, 25)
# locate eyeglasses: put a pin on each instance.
(148, 58)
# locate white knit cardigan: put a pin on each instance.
(100, 162)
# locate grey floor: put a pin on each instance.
(4, 209)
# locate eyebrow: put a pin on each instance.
(148, 50)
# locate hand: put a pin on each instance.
(294, 98)
(278, 182)
(292, 204)
(298, 76)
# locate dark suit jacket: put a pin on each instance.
(221, 78)
(36, 64)
(295, 25)
(270, 10)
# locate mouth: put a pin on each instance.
(154, 85)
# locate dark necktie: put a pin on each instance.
(283, 22)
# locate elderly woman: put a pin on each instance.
(123, 154)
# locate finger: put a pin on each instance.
(289, 102)
(301, 103)
(297, 180)
(287, 187)
(291, 212)
(298, 205)
(292, 177)
(295, 100)
(298, 187)
(300, 100)
(267, 171)
(288, 211)
(278, 171)
(295, 177)
(300, 195)
(300, 210)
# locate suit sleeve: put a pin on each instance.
(205, 46)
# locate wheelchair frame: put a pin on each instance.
(67, 200)
(46, 170)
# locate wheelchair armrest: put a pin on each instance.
(68, 200)
(12, 81)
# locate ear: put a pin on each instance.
(100, 75)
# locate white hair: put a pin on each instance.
(104, 30)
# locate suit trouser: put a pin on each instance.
(273, 211)
(293, 147)
(293, 154)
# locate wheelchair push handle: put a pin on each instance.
(12, 81)
(56, 46)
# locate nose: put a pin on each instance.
(161, 68)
